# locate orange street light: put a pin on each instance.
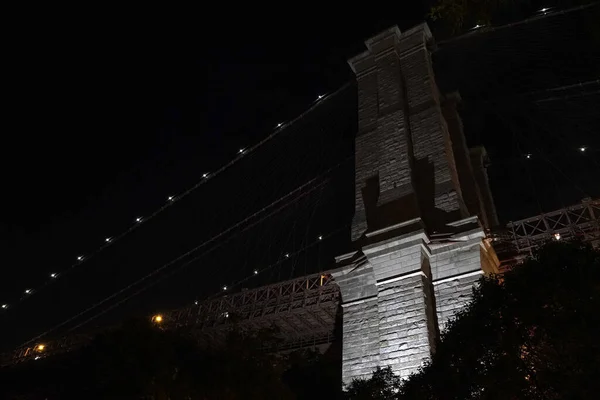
(157, 318)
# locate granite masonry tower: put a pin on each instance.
(421, 242)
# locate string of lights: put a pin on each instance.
(219, 240)
(170, 200)
(224, 289)
(158, 318)
(524, 155)
(542, 13)
(563, 137)
(538, 153)
(542, 154)
(513, 84)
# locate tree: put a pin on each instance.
(382, 385)
(458, 14)
(531, 334)
(311, 374)
(142, 361)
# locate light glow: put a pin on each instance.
(40, 347)
(107, 240)
(557, 236)
(157, 318)
(53, 275)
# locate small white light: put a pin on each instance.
(320, 237)
(255, 272)
(319, 97)
(53, 275)
(204, 175)
(226, 314)
(225, 288)
(477, 26)
(37, 358)
(240, 151)
(79, 258)
(107, 240)
(557, 236)
(5, 306)
(171, 198)
(138, 219)
(528, 156)
(27, 291)
(287, 255)
(196, 302)
(582, 149)
(279, 125)
(544, 9)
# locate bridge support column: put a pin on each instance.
(404, 300)
(420, 246)
(360, 322)
(456, 266)
(400, 291)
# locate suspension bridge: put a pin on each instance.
(423, 219)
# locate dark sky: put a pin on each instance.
(107, 114)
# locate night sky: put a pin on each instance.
(105, 117)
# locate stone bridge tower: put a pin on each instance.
(422, 204)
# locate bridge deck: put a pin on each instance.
(304, 309)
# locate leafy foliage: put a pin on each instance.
(142, 361)
(532, 334)
(458, 12)
(382, 385)
(311, 372)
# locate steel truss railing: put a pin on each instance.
(54, 347)
(579, 221)
(313, 291)
(304, 309)
(299, 309)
